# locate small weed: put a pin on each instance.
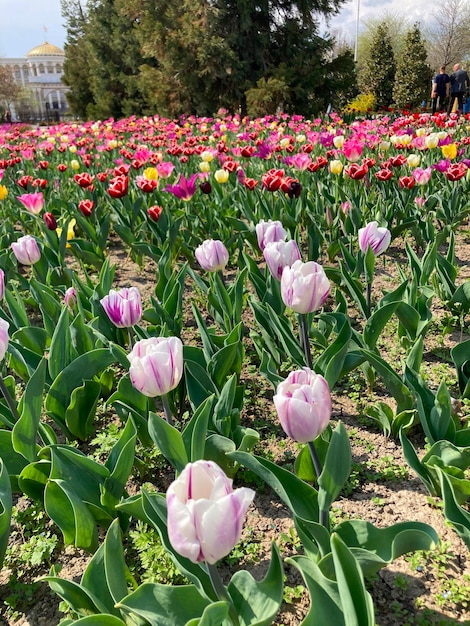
(293, 594)
(290, 541)
(20, 596)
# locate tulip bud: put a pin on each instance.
(374, 236)
(304, 286)
(154, 213)
(268, 232)
(156, 365)
(86, 207)
(205, 513)
(303, 405)
(205, 187)
(26, 250)
(50, 221)
(70, 298)
(4, 338)
(281, 254)
(212, 255)
(123, 307)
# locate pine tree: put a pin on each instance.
(378, 75)
(413, 75)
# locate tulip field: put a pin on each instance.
(235, 371)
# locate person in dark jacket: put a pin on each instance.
(440, 90)
(459, 85)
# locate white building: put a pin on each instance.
(40, 73)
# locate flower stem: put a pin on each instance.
(9, 400)
(368, 296)
(305, 339)
(221, 592)
(318, 470)
(167, 410)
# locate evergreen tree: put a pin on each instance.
(378, 74)
(413, 75)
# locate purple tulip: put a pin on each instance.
(26, 250)
(303, 405)
(156, 365)
(4, 338)
(281, 254)
(378, 238)
(212, 255)
(205, 513)
(269, 232)
(304, 286)
(124, 307)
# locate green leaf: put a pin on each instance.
(198, 383)
(82, 368)
(331, 361)
(195, 432)
(413, 461)
(99, 620)
(461, 356)
(25, 430)
(358, 608)
(119, 463)
(114, 564)
(6, 506)
(81, 600)
(377, 322)
(391, 379)
(213, 615)
(61, 352)
(81, 411)
(257, 603)
(71, 515)
(302, 499)
(336, 469)
(95, 583)
(164, 605)
(325, 603)
(455, 514)
(169, 441)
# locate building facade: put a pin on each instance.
(39, 73)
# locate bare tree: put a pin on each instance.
(449, 34)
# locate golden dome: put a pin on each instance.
(45, 49)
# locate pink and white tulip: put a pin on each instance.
(212, 255)
(205, 513)
(156, 365)
(281, 254)
(304, 286)
(378, 238)
(123, 307)
(303, 405)
(26, 250)
(4, 338)
(269, 232)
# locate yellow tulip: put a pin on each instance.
(432, 140)
(413, 160)
(207, 156)
(449, 151)
(3, 192)
(204, 166)
(74, 164)
(336, 167)
(338, 141)
(70, 231)
(150, 173)
(221, 176)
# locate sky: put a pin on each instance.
(28, 23)
(23, 25)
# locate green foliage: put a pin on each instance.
(378, 75)
(267, 97)
(413, 74)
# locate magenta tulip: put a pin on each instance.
(378, 238)
(26, 250)
(4, 338)
(123, 307)
(304, 286)
(281, 254)
(269, 232)
(156, 365)
(205, 513)
(303, 405)
(212, 255)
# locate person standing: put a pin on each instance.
(440, 90)
(7, 117)
(459, 85)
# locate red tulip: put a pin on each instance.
(118, 186)
(50, 221)
(407, 182)
(86, 207)
(154, 213)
